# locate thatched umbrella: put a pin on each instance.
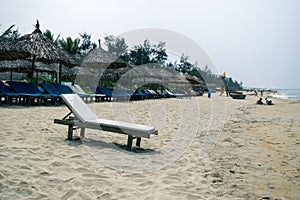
(22, 66)
(42, 49)
(99, 58)
(80, 71)
(9, 50)
(108, 65)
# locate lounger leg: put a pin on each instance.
(129, 142)
(70, 132)
(138, 142)
(82, 132)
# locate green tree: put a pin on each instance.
(116, 45)
(70, 45)
(11, 33)
(50, 35)
(86, 45)
(184, 65)
(159, 53)
(141, 54)
(147, 53)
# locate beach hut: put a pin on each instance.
(20, 66)
(105, 64)
(99, 58)
(43, 49)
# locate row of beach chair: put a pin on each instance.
(128, 95)
(25, 93)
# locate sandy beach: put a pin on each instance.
(217, 148)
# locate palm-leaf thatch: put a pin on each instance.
(20, 66)
(99, 58)
(41, 48)
(9, 50)
(15, 65)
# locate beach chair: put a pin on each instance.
(84, 118)
(8, 94)
(78, 90)
(104, 91)
(29, 92)
(122, 94)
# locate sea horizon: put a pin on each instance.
(293, 94)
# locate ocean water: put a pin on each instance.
(293, 94)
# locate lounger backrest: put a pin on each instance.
(78, 107)
(47, 88)
(16, 87)
(74, 89)
(63, 89)
(54, 89)
(79, 89)
(4, 88)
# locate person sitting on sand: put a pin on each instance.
(259, 101)
(268, 101)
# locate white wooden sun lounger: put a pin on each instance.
(84, 117)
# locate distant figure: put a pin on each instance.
(209, 94)
(189, 93)
(227, 90)
(255, 93)
(259, 101)
(261, 93)
(268, 101)
(221, 90)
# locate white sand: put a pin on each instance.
(216, 148)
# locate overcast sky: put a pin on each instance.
(254, 41)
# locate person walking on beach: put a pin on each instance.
(221, 90)
(222, 87)
(227, 90)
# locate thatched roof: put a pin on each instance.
(15, 65)
(99, 58)
(150, 73)
(194, 80)
(81, 71)
(9, 50)
(42, 48)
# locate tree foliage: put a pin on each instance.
(11, 33)
(50, 35)
(146, 53)
(86, 45)
(70, 45)
(116, 45)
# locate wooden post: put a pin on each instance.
(82, 132)
(138, 142)
(37, 76)
(10, 78)
(129, 142)
(70, 132)
(32, 69)
(59, 73)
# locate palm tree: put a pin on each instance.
(50, 35)
(11, 34)
(69, 45)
